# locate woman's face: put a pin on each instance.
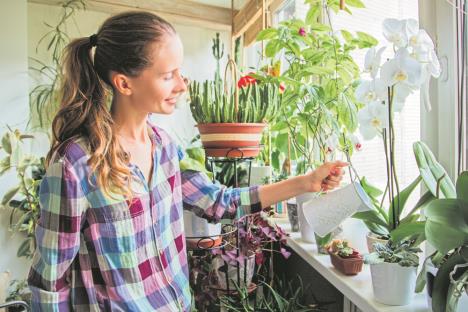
(157, 88)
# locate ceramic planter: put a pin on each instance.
(232, 140)
(372, 238)
(199, 233)
(307, 232)
(347, 266)
(392, 283)
(292, 215)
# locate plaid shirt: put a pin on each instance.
(99, 253)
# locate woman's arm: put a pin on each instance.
(57, 236)
(325, 177)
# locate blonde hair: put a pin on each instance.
(122, 45)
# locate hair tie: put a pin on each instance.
(93, 40)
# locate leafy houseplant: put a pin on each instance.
(43, 98)
(393, 271)
(319, 104)
(22, 199)
(319, 108)
(231, 118)
(282, 297)
(346, 259)
(447, 230)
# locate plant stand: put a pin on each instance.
(204, 251)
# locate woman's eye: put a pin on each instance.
(169, 77)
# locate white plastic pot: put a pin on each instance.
(307, 232)
(258, 173)
(393, 284)
(198, 227)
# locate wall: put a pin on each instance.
(27, 21)
(14, 111)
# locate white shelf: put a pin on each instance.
(358, 289)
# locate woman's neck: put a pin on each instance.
(130, 124)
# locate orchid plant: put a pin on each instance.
(413, 64)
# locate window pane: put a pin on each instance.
(370, 162)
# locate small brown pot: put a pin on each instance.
(231, 139)
(347, 266)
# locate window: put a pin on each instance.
(370, 162)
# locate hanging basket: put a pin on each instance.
(233, 140)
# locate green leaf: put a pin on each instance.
(366, 40)
(442, 282)
(446, 227)
(371, 216)
(6, 144)
(266, 34)
(272, 47)
(313, 14)
(462, 186)
(407, 230)
(9, 195)
(431, 171)
(399, 202)
(347, 36)
(371, 190)
(24, 248)
(196, 153)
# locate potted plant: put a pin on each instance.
(279, 297)
(319, 108)
(345, 259)
(413, 64)
(446, 270)
(393, 271)
(23, 198)
(231, 119)
(246, 250)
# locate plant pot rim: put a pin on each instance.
(394, 264)
(354, 259)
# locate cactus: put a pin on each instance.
(258, 102)
(433, 174)
(218, 53)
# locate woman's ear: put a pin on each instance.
(121, 83)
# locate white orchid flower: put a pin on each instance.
(421, 42)
(400, 93)
(402, 69)
(370, 90)
(395, 32)
(372, 61)
(373, 118)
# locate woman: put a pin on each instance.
(110, 235)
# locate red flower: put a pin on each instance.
(302, 32)
(282, 87)
(246, 81)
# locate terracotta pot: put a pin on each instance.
(226, 137)
(347, 266)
